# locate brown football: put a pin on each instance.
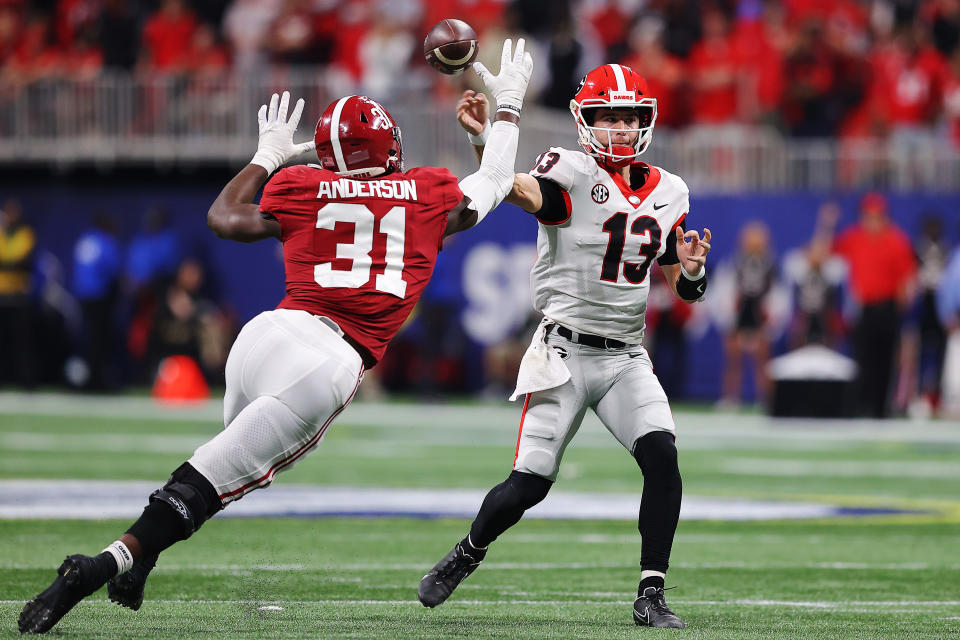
(450, 46)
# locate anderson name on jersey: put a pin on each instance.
(360, 251)
(593, 264)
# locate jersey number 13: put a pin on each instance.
(635, 272)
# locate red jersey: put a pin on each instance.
(360, 251)
(880, 263)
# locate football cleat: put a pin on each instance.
(77, 578)
(650, 610)
(439, 583)
(127, 589)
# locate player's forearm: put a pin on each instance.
(494, 180)
(233, 215)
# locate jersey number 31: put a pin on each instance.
(392, 225)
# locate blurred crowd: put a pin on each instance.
(108, 318)
(110, 315)
(891, 302)
(844, 68)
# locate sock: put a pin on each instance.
(475, 552)
(104, 566)
(650, 579)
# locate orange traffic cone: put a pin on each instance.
(179, 380)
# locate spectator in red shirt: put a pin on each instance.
(205, 57)
(10, 25)
(662, 71)
(882, 269)
(759, 43)
(36, 57)
(167, 35)
(907, 77)
(713, 66)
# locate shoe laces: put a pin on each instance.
(459, 565)
(657, 600)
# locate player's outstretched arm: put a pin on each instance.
(487, 188)
(233, 215)
(473, 114)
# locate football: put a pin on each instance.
(450, 46)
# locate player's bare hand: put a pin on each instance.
(276, 145)
(692, 250)
(473, 112)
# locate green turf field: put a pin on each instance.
(876, 576)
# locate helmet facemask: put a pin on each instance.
(614, 155)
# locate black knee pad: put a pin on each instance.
(191, 496)
(656, 453)
(530, 489)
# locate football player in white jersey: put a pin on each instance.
(604, 217)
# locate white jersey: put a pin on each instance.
(593, 270)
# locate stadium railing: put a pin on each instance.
(189, 121)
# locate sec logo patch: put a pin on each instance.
(599, 193)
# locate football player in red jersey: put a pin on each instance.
(360, 238)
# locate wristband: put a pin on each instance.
(692, 289)
(266, 160)
(480, 140)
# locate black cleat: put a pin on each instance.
(650, 610)
(77, 578)
(126, 589)
(439, 583)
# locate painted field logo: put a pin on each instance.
(599, 193)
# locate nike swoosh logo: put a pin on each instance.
(645, 617)
(700, 288)
(657, 207)
(634, 355)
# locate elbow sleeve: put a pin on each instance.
(493, 181)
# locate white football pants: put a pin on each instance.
(289, 374)
(618, 384)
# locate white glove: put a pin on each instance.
(509, 86)
(276, 144)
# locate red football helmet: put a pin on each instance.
(613, 86)
(356, 137)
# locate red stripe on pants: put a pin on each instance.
(293, 457)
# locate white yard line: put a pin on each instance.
(522, 566)
(693, 425)
(878, 606)
(101, 499)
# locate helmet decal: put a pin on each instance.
(357, 137)
(335, 133)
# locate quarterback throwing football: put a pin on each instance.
(603, 216)
(350, 286)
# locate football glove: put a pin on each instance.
(276, 145)
(508, 87)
